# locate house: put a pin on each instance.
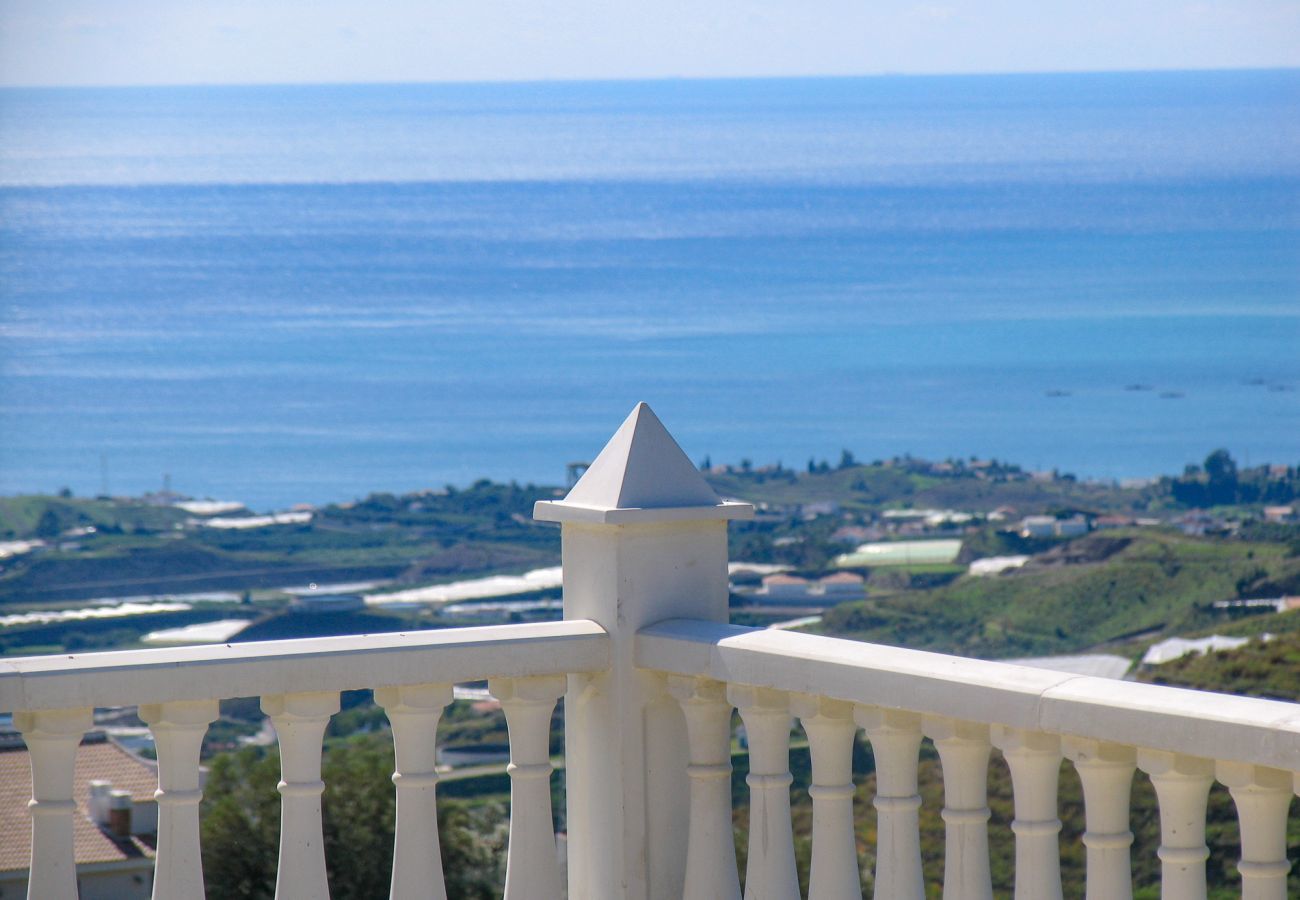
(1279, 514)
(1198, 522)
(856, 534)
(841, 585)
(113, 829)
(1071, 527)
(1050, 526)
(1038, 526)
(819, 508)
(785, 587)
(781, 587)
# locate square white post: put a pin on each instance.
(644, 539)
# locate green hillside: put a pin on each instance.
(1259, 669)
(141, 549)
(863, 487)
(1098, 589)
(43, 516)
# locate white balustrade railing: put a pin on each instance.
(178, 728)
(708, 727)
(896, 739)
(299, 681)
(532, 867)
(770, 873)
(1184, 740)
(414, 711)
(830, 728)
(653, 674)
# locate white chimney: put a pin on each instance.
(98, 802)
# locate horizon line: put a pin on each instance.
(640, 79)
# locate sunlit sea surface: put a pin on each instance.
(288, 294)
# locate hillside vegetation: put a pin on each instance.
(864, 487)
(139, 549)
(1259, 669)
(45, 516)
(1098, 589)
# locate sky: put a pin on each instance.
(150, 42)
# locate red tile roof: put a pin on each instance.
(98, 760)
(780, 578)
(843, 578)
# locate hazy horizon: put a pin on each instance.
(470, 82)
(185, 42)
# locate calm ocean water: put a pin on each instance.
(308, 293)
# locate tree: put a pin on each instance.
(48, 525)
(1222, 473)
(846, 459)
(358, 810)
(241, 826)
(1220, 465)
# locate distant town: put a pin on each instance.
(78, 573)
(1191, 579)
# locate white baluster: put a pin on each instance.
(896, 741)
(1106, 772)
(1182, 786)
(52, 738)
(178, 728)
(711, 849)
(300, 721)
(770, 873)
(1035, 762)
(1263, 799)
(532, 866)
(413, 711)
(830, 728)
(964, 754)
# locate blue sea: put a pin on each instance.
(282, 294)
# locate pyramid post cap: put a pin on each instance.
(641, 475)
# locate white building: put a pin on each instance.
(783, 586)
(841, 586)
(1075, 526)
(996, 565)
(1050, 526)
(1176, 648)
(1038, 526)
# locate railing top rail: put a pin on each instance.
(351, 662)
(1200, 723)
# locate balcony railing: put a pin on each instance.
(651, 673)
